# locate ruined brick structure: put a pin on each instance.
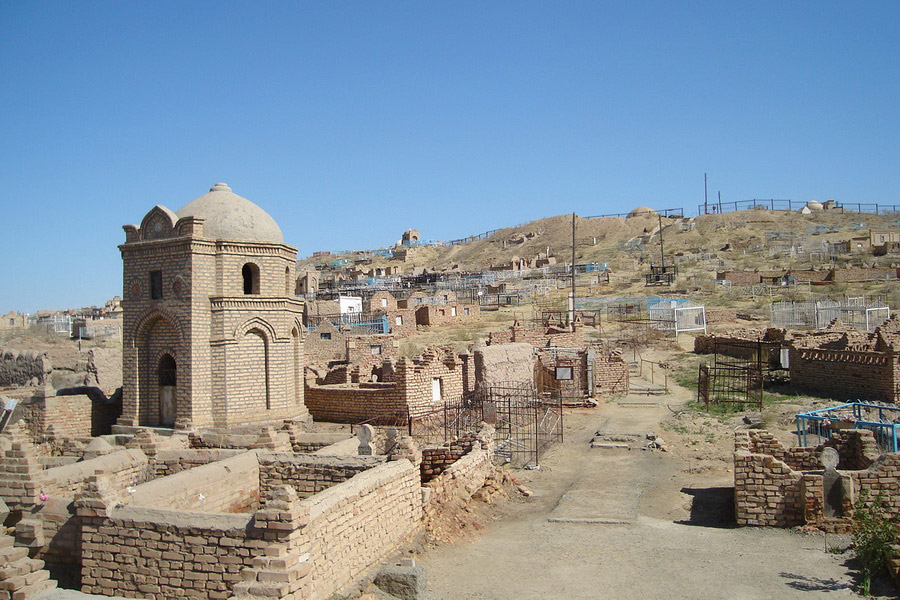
(569, 373)
(783, 487)
(212, 331)
(539, 337)
(410, 386)
(837, 362)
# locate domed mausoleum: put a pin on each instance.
(212, 332)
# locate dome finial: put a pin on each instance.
(220, 187)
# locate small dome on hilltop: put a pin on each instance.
(641, 211)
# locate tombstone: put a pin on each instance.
(831, 483)
(393, 438)
(365, 433)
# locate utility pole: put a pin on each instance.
(705, 196)
(572, 293)
(662, 252)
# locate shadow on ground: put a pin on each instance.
(711, 507)
(814, 584)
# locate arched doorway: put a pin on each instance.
(167, 374)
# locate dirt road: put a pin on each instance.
(619, 523)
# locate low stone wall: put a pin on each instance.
(309, 474)
(230, 485)
(357, 524)
(311, 442)
(122, 468)
(169, 462)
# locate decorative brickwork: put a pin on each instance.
(212, 333)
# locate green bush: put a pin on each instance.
(874, 534)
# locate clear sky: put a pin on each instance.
(350, 122)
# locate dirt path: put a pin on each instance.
(619, 523)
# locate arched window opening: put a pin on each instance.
(250, 273)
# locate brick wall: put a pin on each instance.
(122, 469)
(538, 337)
(356, 524)
(309, 474)
(353, 403)
(410, 388)
(72, 416)
(846, 374)
(767, 491)
(162, 554)
(783, 487)
(610, 374)
(169, 462)
(230, 485)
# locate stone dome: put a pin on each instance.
(230, 217)
(641, 211)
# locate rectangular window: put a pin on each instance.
(324, 336)
(563, 373)
(375, 349)
(452, 311)
(384, 303)
(156, 285)
(399, 320)
(437, 391)
(466, 312)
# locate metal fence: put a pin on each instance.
(818, 314)
(526, 425)
(816, 426)
(362, 323)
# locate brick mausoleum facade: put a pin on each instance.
(213, 334)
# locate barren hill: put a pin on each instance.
(743, 239)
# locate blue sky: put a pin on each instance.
(350, 122)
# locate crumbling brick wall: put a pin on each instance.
(611, 374)
(767, 491)
(539, 337)
(24, 368)
(783, 487)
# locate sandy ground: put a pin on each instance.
(619, 523)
